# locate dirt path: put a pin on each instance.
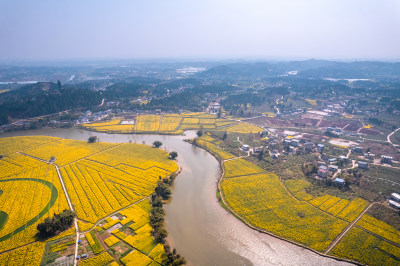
(391, 134)
(68, 200)
(344, 232)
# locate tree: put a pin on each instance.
(163, 190)
(93, 139)
(199, 133)
(157, 144)
(59, 85)
(224, 136)
(58, 223)
(173, 155)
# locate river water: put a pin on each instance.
(199, 228)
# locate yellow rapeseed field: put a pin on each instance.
(214, 149)
(173, 124)
(379, 228)
(263, 201)
(100, 178)
(297, 186)
(366, 248)
(240, 167)
(147, 123)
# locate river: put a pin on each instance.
(199, 228)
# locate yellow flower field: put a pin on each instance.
(240, 167)
(100, 178)
(366, 248)
(215, 149)
(67, 151)
(170, 124)
(262, 201)
(104, 123)
(23, 190)
(243, 128)
(312, 102)
(174, 124)
(380, 228)
(147, 123)
(297, 186)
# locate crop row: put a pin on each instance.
(240, 167)
(215, 149)
(94, 242)
(366, 248)
(380, 228)
(297, 186)
(19, 194)
(262, 201)
(66, 151)
(14, 144)
(137, 155)
(27, 255)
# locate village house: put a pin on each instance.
(394, 204)
(320, 148)
(362, 165)
(339, 181)
(395, 197)
(386, 159)
(333, 168)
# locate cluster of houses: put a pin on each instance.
(334, 131)
(88, 116)
(300, 146)
(394, 201)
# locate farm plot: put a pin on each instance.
(67, 151)
(340, 208)
(97, 186)
(136, 234)
(39, 189)
(147, 123)
(110, 180)
(297, 186)
(262, 201)
(14, 144)
(214, 149)
(366, 248)
(379, 228)
(240, 167)
(170, 123)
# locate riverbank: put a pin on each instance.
(202, 231)
(225, 205)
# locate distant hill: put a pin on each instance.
(308, 69)
(44, 98)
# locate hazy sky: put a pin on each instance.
(87, 29)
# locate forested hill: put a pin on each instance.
(44, 98)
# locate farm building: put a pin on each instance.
(333, 168)
(295, 143)
(338, 181)
(320, 147)
(369, 156)
(322, 173)
(362, 165)
(358, 149)
(386, 159)
(395, 197)
(332, 160)
(394, 204)
(245, 147)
